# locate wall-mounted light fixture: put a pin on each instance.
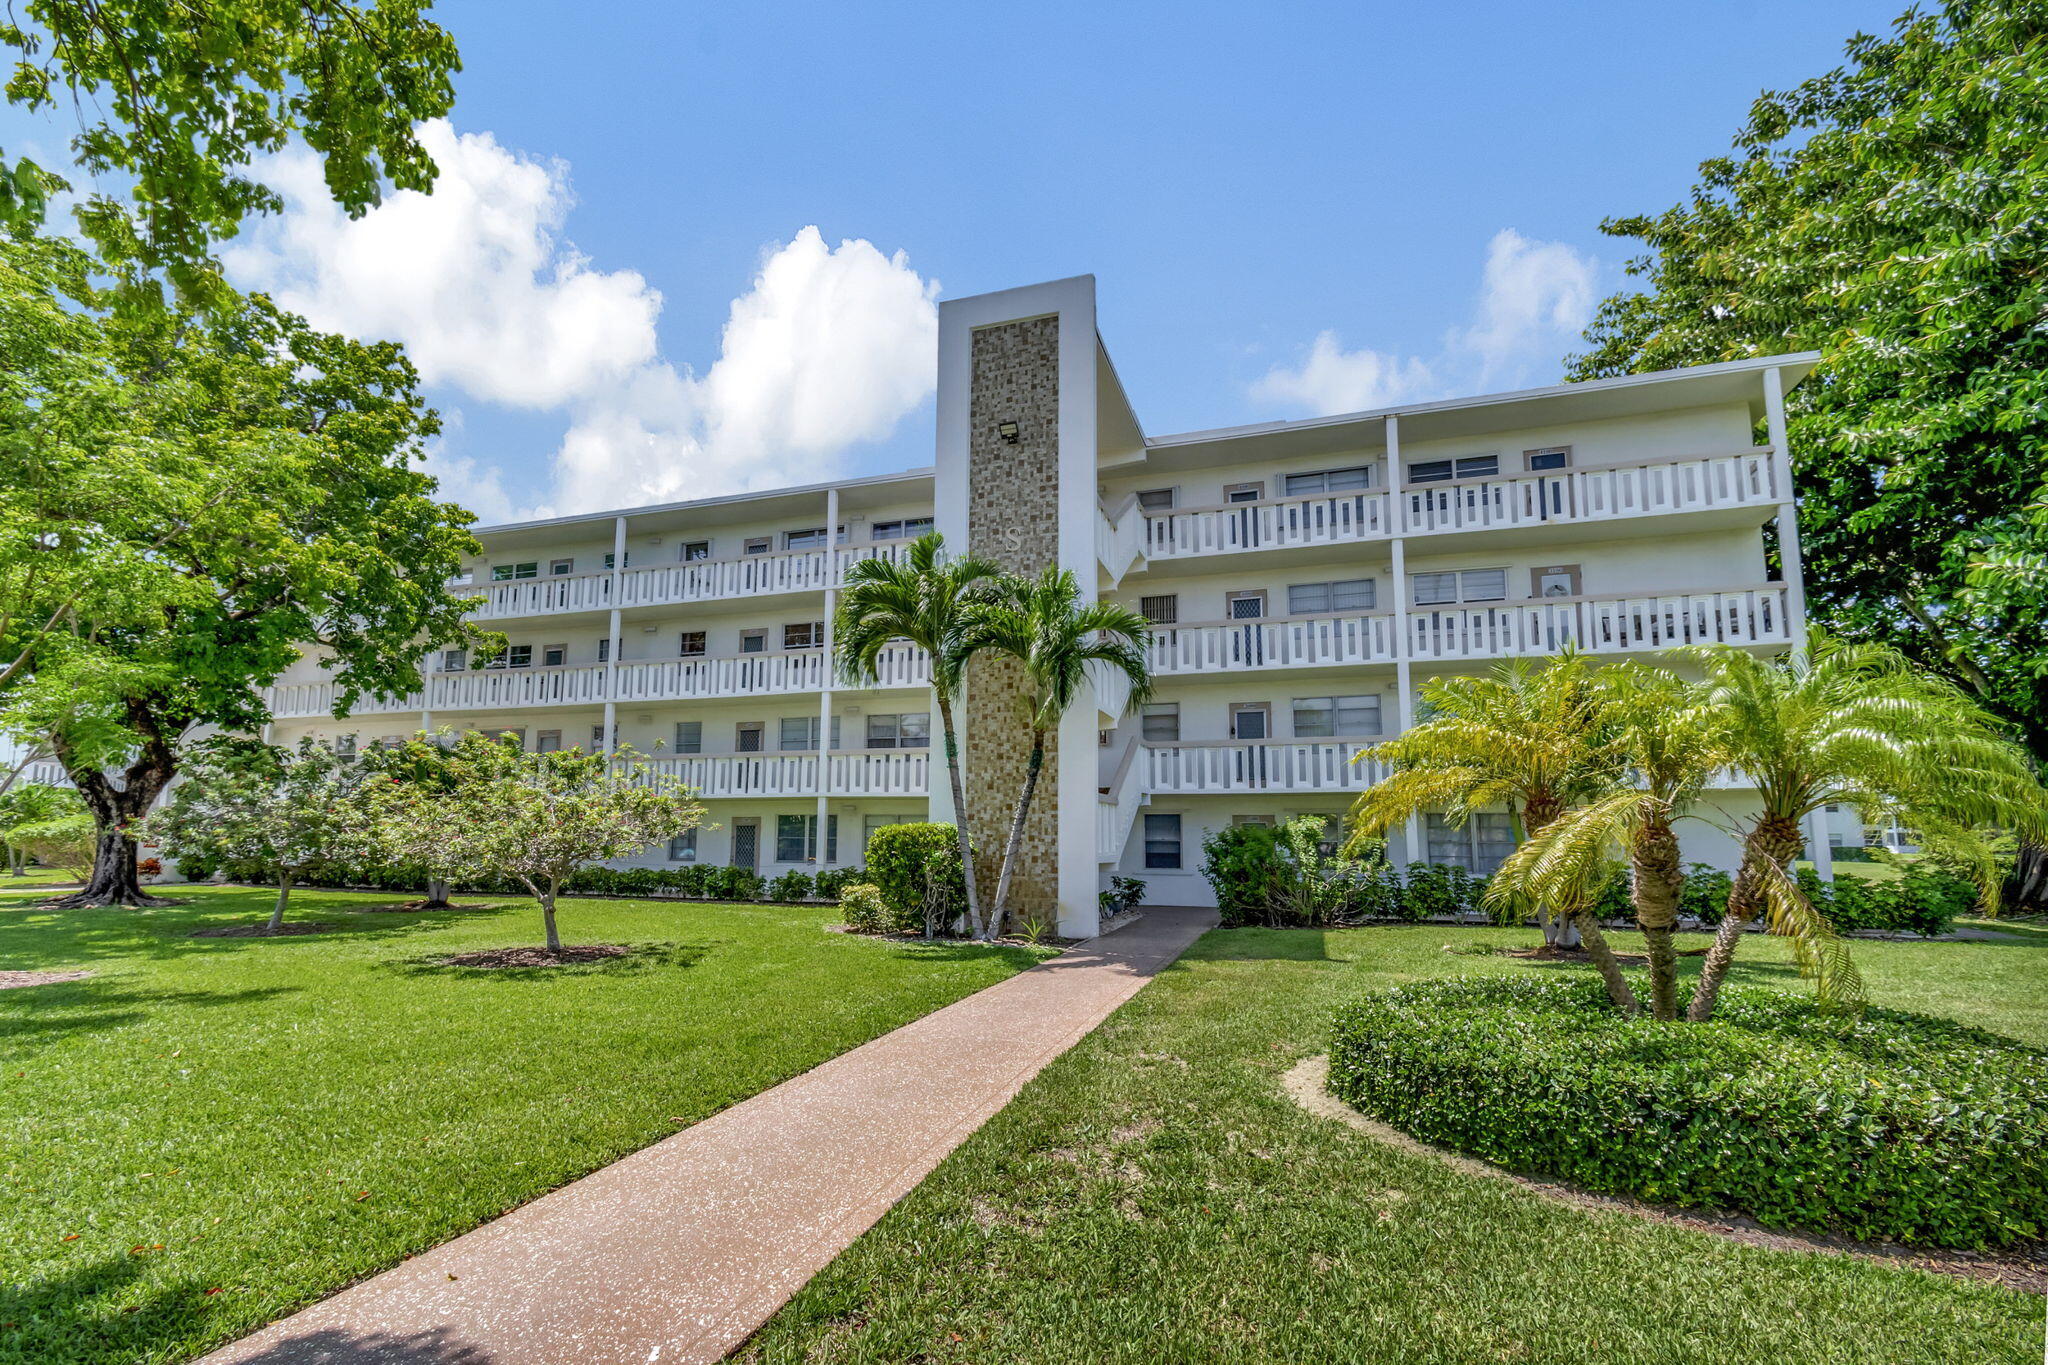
(1008, 431)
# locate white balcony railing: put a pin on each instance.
(1117, 810)
(490, 689)
(702, 580)
(1288, 642)
(1326, 519)
(1120, 538)
(1291, 765)
(1646, 488)
(1600, 625)
(901, 772)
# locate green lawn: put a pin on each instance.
(208, 1133)
(1153, 1197)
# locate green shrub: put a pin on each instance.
(1242, 866)
(791, 886)
(1440, 889)
(1123, 896)
(830, 881)
(864, 910)
(905, 861)
(1704, 893)
(1893, 1126)
(1922, 899)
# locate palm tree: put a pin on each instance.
(1854, 724)
(1045, 626)
(924, 600)
(1526, 736)
(1668, 735)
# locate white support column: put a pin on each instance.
(611, 653)
(1404, 681)
(1793, 566)
(832, 559)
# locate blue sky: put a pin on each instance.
(1418, 186)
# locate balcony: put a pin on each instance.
(703, 580)
(1131, 536)
(1600, 625)
(493, 689)
(1289, 642)
(900, 772)
(1219, 767)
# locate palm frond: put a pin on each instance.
(1822, 955)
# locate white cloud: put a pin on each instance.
(828, 348)
(1535, 298)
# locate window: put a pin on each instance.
(1555, 580)
(562, 566)
(796, 838)
(811, 538)
(1333, 831)
(1334, 717)
(1159, 722)
(1480, 846)
(515, 656)
(1243, 492)
(547, 741)
(803, 635)
(683, 848)
(689, 736)
(596, 737)
(514, 735)
(1463, 467)
(1554, 457)
(1346, 480)
(1263, 820)
(1158, 499)
(800, 733)
(345, 746)
(1346, 594)
(604, 650)
(1250, 720)
(910, 730)
(759, 545)
(1467, 585)
(871, 823)
(1162, 841)
(506, 573)
(454, 660)
(608, 559)
(910, 528)
(1249, 605)
(747, 736)
(554, 656)
(1162, 610)
(694, 550)
(690, 644)
(753, 641)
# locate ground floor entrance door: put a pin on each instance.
(746, 844)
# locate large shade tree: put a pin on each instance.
(193, 500)
(1890, 214)
(180, 103)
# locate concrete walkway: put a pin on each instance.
(680, 1251)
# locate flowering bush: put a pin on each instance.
(1889, 1126)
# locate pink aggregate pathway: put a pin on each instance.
(682, 1250)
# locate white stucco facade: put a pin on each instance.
(1305, 578)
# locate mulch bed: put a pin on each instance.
(2022, 1268)
(285, 930)
(1547, 953)
(11, 980)
(414, 907)
(568, 956)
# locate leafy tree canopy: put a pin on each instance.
(179, 100)
(1891, 214)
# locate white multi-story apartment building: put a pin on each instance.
(1304, 578)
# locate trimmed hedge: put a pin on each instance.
(902, 858)
(702, 880)
(1895, 1126)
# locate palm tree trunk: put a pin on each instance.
(1604, 962)
(284, 892)
(1016, 841)
(1657, 876)
(1774, 839)
(974, 916)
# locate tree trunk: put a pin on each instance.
(1774, 839)
(1559, 931)
(960, 832)
(1016, 841)
(1657, 875)
(547, 915)
(284, 892)
(113, 880)
(1603, 961)
(2028, 890)
(437, 895)
(116, 811)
